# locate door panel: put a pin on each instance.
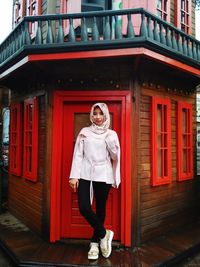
(73, 225)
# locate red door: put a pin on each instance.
(73, 225)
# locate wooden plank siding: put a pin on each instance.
(162, 208)
(26, 197)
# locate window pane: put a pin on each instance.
(184, 141)
(159, 4)
(184, 121)
(159, 118)
(183, 17)
(183, 4)
(164, 119)
(165, 162)
(30, 116)
(184, 160)
(159, 163)
(30, 159)
(165, 141)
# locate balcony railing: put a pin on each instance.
(99, 30)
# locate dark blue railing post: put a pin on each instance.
(60, 34)
(27, 38)
(179, 43)
(185, 50)
(194, 50)
(143, 28)
(71, 36)
(49, 37)
(198, 52)
(155, 31)
(149, 28)
(84, 34)
(168, 37)
(174, 43)
(189, 48)
(95, 31)
(107, 29)
(38, 39)
(130, 29)
(118, 28)
(162, 35)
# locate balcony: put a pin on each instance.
(91, 31)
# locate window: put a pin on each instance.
(183, 14)
(33, 8)
(18, 11)
(30, 139)
(95, 5)
(162, 9)
(15, 139)
(161, 141)
(184, 142)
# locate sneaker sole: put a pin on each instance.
(93, 257)
(109, 244)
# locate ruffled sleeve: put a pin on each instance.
(77, 157)
(113, 147)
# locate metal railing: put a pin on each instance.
(92, 30)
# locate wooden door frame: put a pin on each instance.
(124, 98)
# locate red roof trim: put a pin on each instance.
(104, 54)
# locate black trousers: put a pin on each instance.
(96, 220)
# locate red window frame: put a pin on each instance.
(183, 11)
(162, 175)
(184, 132)
(33, 8)
(15, 160)
(30, 146)
(162, 8)
(18, 13)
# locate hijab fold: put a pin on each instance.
(105, 125)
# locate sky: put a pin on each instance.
(6, 19)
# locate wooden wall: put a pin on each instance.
(167, 207)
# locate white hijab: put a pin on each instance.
(105, 125)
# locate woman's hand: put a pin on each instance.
(74, 183)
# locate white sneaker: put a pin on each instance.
(93, 253)
(106, 244)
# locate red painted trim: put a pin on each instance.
(39, 7)
(189, 174)
(15, 163)
(165, 136)
(30, 146)
(117, 53)
(125, 98)
(104, 54)
(63, 6)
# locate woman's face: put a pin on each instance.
(98, 116)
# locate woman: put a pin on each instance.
(95, 168)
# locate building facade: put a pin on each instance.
(140, 57)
